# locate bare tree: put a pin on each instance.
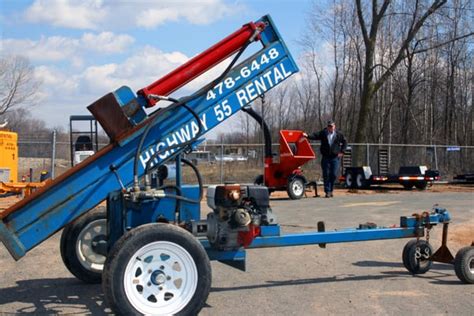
(417, 82)
(21, 121)
(370, 86)
(17, 82)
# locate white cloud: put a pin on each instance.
(100, 78)
(52, 48)
(107, 14)
(57, 48)
(58, 90)
(137, 71)
(155, 17)
(106, 42)
(55, 80)
(198, 12)
(79, 14)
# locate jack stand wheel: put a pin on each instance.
(464, 265)
(157, 269)
(78, 245)
(416, 256)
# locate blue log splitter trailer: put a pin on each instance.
(150, 248)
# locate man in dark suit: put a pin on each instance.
(332, 149)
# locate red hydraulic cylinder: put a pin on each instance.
(202, 62)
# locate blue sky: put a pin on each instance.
(83, 49)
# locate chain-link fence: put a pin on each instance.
(242, 163)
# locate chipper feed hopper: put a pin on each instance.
(150, 247)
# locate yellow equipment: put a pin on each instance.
(9, 167)
(8, 156)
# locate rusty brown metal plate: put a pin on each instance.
(110, 115)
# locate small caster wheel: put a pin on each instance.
(416, 256)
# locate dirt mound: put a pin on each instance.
(463, 235)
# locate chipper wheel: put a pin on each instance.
(78, 245)
(296, 187)
(157, 269)
(464, 264)
(416, 256)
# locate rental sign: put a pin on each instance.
(245, 83)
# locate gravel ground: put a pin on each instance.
(349, 278)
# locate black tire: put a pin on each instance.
(349, 181)
(421, 185)
(464, 264)
(124, 263)
(407, 185)
(258, 180)
(360, 181)
(405, 253)
(416, 256)
(76, 248)
(296, 188)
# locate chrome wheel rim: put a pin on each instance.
(297, 187)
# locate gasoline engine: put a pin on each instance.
(238, 213)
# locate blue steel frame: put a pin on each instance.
(89, 183)
(272, 237)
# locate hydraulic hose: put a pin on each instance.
(198, 176)
(178, 190)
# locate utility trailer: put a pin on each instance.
(408, 176)
(466, 178)
(150, 247)
(361, 177)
